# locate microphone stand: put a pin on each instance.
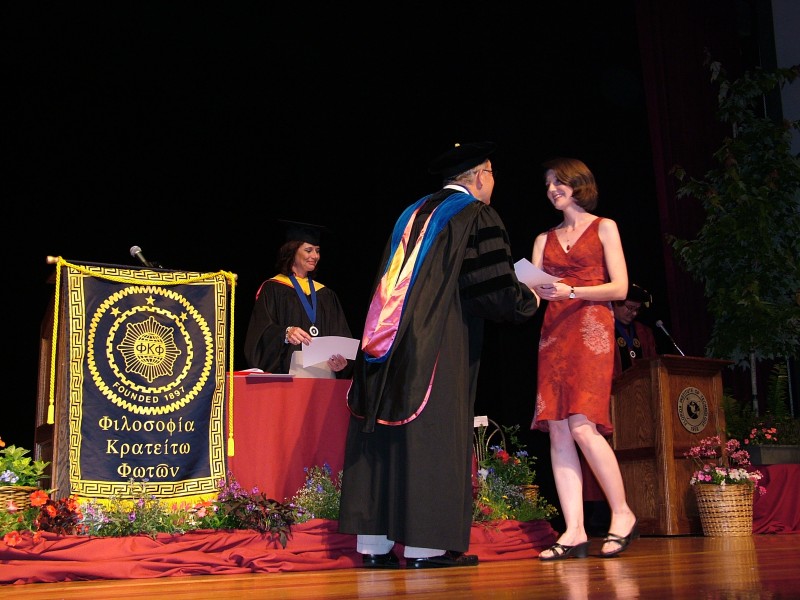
(660, 325)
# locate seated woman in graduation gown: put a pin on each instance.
(292, 308)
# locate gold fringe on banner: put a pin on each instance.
(173, 503)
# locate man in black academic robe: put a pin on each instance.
(408, 458)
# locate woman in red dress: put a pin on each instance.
(576, 355)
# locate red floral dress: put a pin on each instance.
(576, 347)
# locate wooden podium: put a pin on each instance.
(660, 408)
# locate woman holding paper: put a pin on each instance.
(576, 355)
(292, 308)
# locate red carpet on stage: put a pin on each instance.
(315, 545)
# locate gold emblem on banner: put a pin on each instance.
(149, 362)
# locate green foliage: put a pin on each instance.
(739, 417)
(17, 468)
(21, 520)
(320, 496)
(775, 426)
(139, 514)
(746, 252)
(778, 391)
(498, 500)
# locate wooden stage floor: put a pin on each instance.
(696, 567)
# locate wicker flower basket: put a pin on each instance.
(725, 509)
(20, 494)
(531, 492)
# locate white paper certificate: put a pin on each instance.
(531, 275)
(322, 348)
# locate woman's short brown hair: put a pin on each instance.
(575, 174)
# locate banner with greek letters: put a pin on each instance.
(146, 371)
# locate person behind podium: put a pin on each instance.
(408, 456)
(635, 340)
(292, 308)
(576, 355)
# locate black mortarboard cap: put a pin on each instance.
(460, 158)
(304, 232)
(639, 294)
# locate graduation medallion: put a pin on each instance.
(310, 307)
(626, 341)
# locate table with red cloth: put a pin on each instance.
(283, 426)
(778, 511)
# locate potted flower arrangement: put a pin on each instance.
(724, 486)
(505, 488)
(773, 441)
(18, 469)
(19, 475)
(320, 496)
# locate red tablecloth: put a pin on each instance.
(313, 546)
(283, 427)
(778, 511)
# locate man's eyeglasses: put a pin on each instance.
(632, 309)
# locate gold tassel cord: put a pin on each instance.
(54, 347)
(230, 375)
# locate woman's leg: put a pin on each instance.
(569, 484)
(601, 458)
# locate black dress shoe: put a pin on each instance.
(380, 561)
(448, 559)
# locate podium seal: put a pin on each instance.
(693, 409)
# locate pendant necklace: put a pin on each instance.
(567, 236)
(310, 308)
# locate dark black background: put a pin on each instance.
(189, 129)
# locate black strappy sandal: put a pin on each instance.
(560, 551)
(623, 542)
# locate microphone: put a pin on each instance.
(136, 252)
(660, 325)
